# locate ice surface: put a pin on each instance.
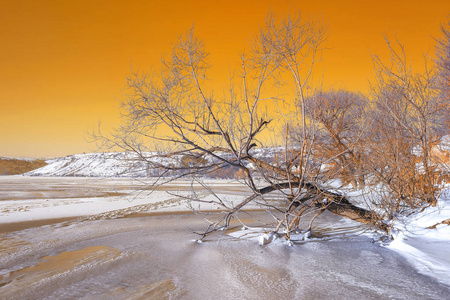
(155, 258)
(25, 198)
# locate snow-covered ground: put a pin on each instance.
(425, 241)
(106, 255)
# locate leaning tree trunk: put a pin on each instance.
(322, 199)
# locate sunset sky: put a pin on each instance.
(64, 63)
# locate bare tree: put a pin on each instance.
(340, 134)
(443, 65)
(407, 120)
(326, 135)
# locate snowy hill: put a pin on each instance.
(120, 164)
(93, 165)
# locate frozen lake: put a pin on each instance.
(139, 256)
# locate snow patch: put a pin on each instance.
(426, 247)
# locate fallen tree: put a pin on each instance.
(322, 138)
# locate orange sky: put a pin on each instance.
(63, 63)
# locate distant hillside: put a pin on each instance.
(123, 164)
(93, 165)
(14, 166)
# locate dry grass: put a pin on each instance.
(10, 166)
